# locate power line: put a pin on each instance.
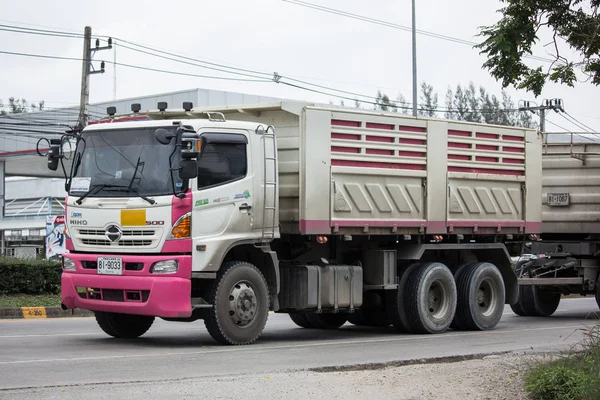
(251, 73)
(579, 122)
(131, 66)
(395, 26)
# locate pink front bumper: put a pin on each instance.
(134, 292)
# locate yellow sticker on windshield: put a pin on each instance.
(133, 217)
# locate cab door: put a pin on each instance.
(222, 199)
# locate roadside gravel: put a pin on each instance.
(493, 377)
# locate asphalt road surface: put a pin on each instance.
(54, 355)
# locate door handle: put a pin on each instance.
(245, 207)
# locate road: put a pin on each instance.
(73, 352)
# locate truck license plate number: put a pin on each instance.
(110, 266)
(558, 199)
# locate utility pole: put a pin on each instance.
(414, 58)
(552, 104)
(86, 71)
(85, 78)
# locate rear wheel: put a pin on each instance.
(397, 301)
(545, 302)
(126, 326)
(431, 298)
(301, 320)
(240, 301)
(327, 321)
(480, 290)
(598, 292)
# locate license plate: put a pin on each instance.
(110, 266)
(558, 199)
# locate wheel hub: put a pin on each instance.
(486, 297)
(243, 304)
(437, 300)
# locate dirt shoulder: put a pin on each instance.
(493, 378)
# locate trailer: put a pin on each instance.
(330, 215)
(566, 256)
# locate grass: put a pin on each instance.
(573, 376)
(28, 300)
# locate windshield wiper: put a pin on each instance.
(95, 189)
(136, 191)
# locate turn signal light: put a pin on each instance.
(182, 228)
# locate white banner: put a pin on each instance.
(55, 236)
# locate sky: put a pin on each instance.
(267, 36)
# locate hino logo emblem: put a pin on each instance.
(113, 233)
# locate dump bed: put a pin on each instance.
(350, 171)
(571, 187)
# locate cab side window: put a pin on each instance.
(221, 163)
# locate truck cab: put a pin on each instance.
(152, 203)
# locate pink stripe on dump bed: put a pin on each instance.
(412, 129)
(383, 165)
(344, 136)
(340, 149)
(339, 122)
(374, 125)
(486, 171)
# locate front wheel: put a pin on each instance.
(240, 301)
(125, 326)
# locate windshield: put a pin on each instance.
(115, 163)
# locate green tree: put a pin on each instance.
(429, 101)
(383, 103)
(18, 106)
(512, 38)
(472, 105)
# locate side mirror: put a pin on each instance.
(188, 169)
(54, 154)
(163, 136)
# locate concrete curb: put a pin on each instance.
(41, 312)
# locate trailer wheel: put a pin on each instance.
(327, 321)
(525, 306)
(545, 302)
(125, 326)
(431, 298)
(301, 320)
(240, 301)
(597, 294)
(397, 302)
(480, 290)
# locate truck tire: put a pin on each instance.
(456, 323)
(545, 302)
(597, 294)
(123, 326)
(301, 320)
(327, 321)
(481, 296)
(525, 305)
(397, 302)
(240, 300)
(431, 298)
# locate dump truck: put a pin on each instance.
(564, 259)
(331, 215)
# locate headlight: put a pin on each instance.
(182, 228)
(68, 264)
(165, 267)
